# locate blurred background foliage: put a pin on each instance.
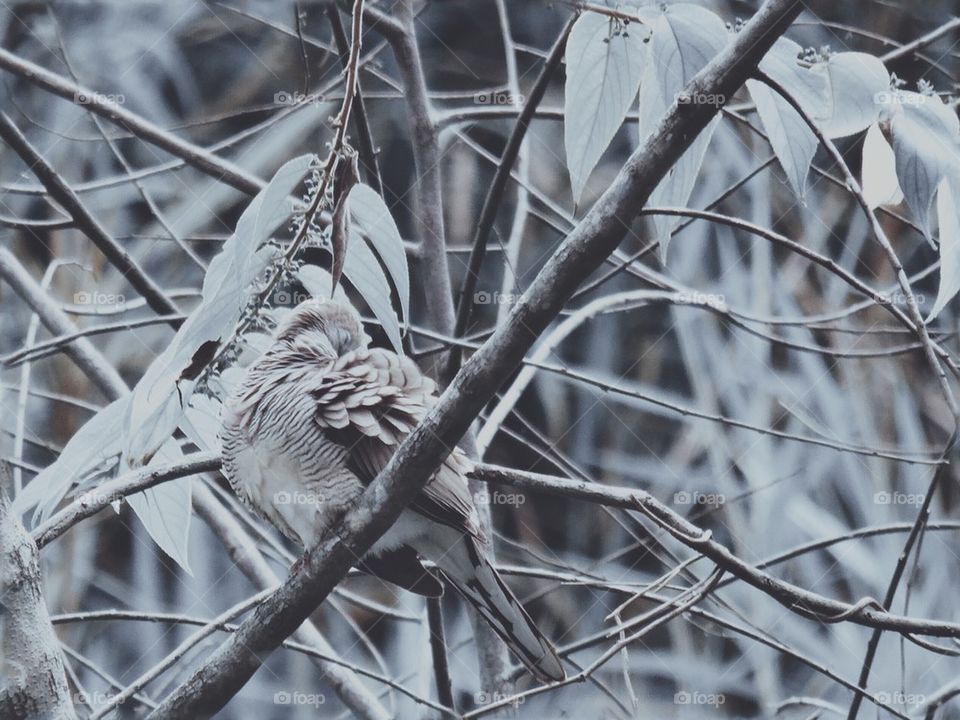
(231, 77)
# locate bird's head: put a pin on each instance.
(324, 324)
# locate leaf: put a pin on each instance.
(372, 217)
(362, 270)
(159, 397)
(947, 206)
(808, 88)
(792, 140)
(97, 440)
(925, 147)
(854, 83)
(675, 189)
(603, 74)
(201, 422)
(879, 170)
(685, 38)
(165, 510)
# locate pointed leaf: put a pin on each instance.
(792, 140)
(363, 272)
(808, 88)
(685, 38)
(604, 65)
(925, 145)
(371, 215)
(165, 510)
(879, 170)
(317, 282)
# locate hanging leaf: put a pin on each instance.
(949, 221)
(370, 216)
(159, 397)
(165, 510)
(792, 140)
(925, 146)
(879, 170)
(855, 81)
(604, 60)
(363, 272)
(685, 38)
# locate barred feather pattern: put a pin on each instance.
(317, 417)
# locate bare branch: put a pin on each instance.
(193, 155)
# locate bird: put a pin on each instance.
(314, 420)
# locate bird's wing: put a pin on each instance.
(369, 402)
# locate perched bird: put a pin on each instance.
(316, 418)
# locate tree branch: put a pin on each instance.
(491, 203)
(195, 156)
(84, 220)
(32, 679)
(81, 351)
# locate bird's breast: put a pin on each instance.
(280, 462)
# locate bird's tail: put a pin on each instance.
(464, 563)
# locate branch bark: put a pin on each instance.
(32, 679)
(601, 230)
